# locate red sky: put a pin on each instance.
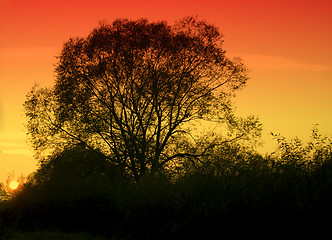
(285, 43)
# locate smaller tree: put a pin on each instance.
(306, 155)
(72, 165)
(75, 173)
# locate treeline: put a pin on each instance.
(236, 195)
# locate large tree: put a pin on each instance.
(130, 89)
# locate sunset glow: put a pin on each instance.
(13, 185)
(286, 45)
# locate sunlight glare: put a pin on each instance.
(13, 185)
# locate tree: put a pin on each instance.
(130, 89)
(315, 152)
(75, 172)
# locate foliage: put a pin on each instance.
(3, 193)
(74, 173)
(215, 151)
(240, 194)
(315, 152)
(130, 89)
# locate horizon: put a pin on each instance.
(286, 45)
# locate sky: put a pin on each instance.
(286, 44)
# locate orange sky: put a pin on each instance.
(285, 43)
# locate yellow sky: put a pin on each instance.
(286, 44)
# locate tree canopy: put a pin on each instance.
(130, 88)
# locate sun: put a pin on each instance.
(14, 185)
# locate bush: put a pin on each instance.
(257, 196)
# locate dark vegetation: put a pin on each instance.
(121, 157)
(253, 196)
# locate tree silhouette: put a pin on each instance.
(130, 89)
